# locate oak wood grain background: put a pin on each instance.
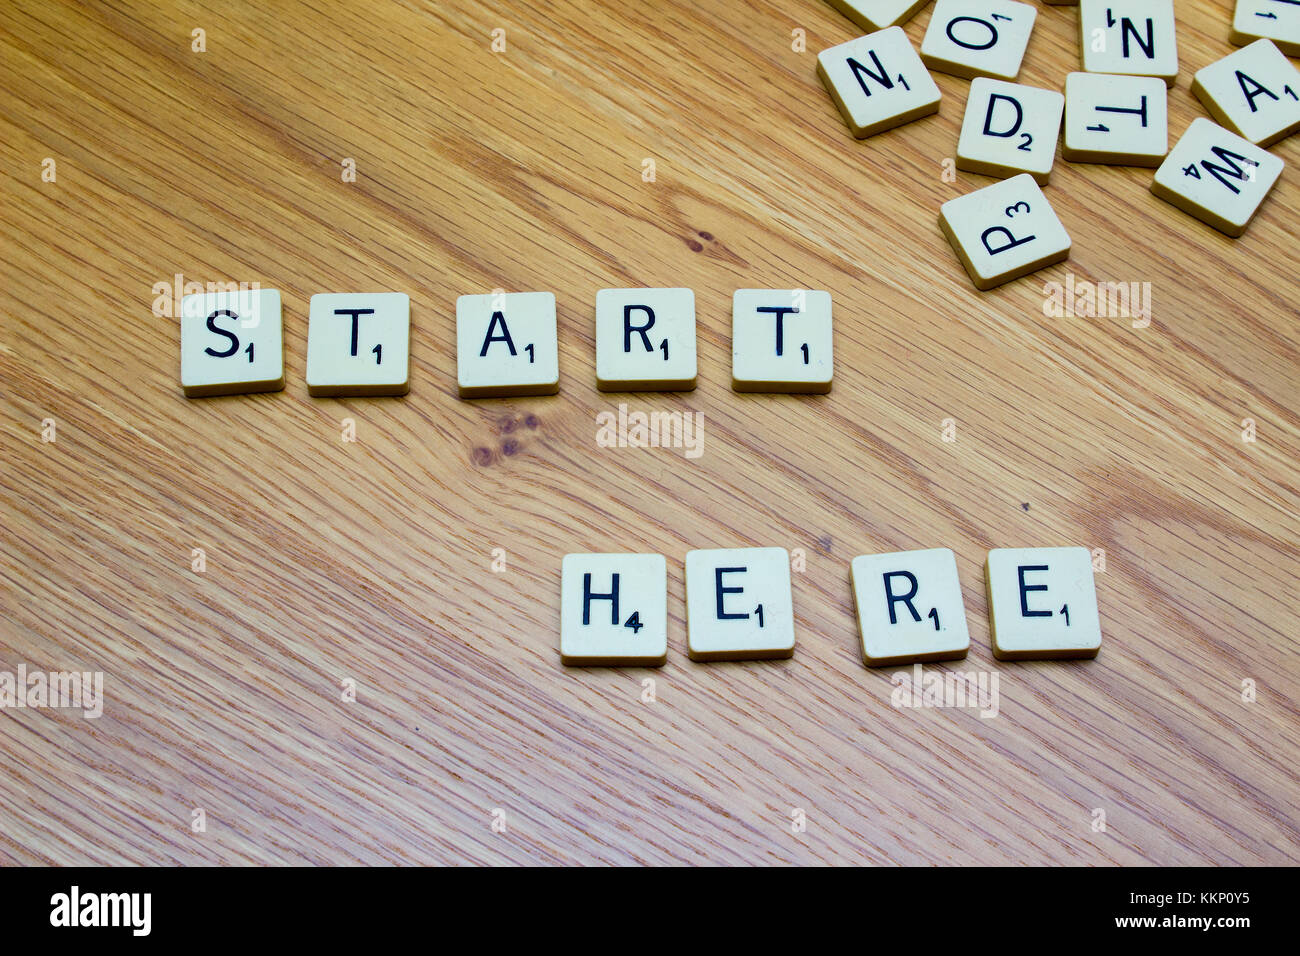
(370, 561)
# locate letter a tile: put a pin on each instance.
(1254, 92)
(506, 345)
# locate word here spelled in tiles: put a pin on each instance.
(1042, 603)
(739, 606)
(614, 609)
(909, 607)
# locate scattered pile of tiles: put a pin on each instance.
(614, 607)
(358, 343)
(1114, 112)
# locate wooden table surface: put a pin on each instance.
(331, 565)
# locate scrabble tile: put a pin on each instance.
(506, 345)
(738, 604)
(1216, 176)
(1119, 120)
(781, 341)
(358, 343)
(1004, 231)
(1254, 92)
(1009, 129)
(878, 14)
(878, 82)
(645, 340)
(614, 609)
(909, 607)
(1276, 20)
(231, 343)
(1042, 603)
(970, 38)
(1135, 37)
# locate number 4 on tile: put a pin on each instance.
(613, 609)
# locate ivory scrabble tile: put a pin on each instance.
(1004, 231)
(358, 343)
(614, 609)
(738, 604)
(878, 14)
(1276, 20)
(781, 341)
(1009, 129)
(909, 607)
(1255, 92)
(970, 38)
(231, 343)
(1135, 37)
(506, 345)
(1042, 603)
(878, 82)
(645, 340)
(1114, 119)
(1216, 176)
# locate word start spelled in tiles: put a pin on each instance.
(645, 339)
